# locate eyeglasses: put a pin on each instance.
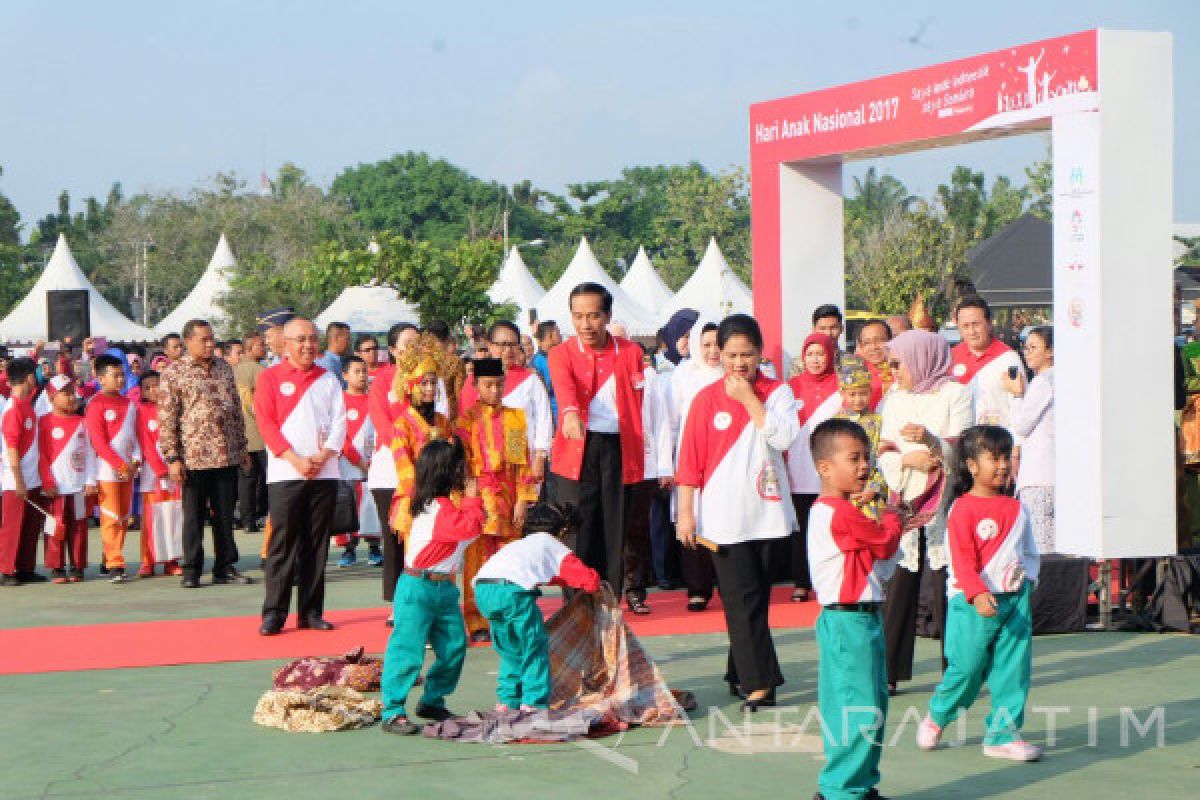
(312, 338)
(506, 344)
(894, 364)
(371, 349)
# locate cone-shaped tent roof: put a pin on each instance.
(368, 309)
(583, 268)
(713, 290)
(516, 285)
(201, 301)
(643, 283)
(27, 322)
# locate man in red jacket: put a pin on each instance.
(599, 450)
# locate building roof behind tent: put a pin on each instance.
(1015, 266)
(27, 322)
(643, 282)
(714, 289)
(368, 309)
(515, 284)
(584, 267)
(202, 301)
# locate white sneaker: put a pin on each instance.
(928, 734)
(1018, 750)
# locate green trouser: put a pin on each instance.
(996, 649)
(520, 638)
(423, 611)
(852, 695)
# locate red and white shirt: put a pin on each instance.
(154, 469)
(18, 422)
(440, 534)
(739, 469)
(982, 374)
(67, 462)
(802, 472)
(850, 556)
(992, 548)
(301, 410)
(383, 406)
(111, 422)
(360, 437)
(537, 560)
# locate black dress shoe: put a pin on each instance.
(315, 623)
(31, 577)
(232, 576)
(401, 725)
(189, 583)
(270, 626)
(751, 706)
(435, 713)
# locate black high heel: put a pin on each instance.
(766, 701)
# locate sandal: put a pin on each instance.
(697, 604)
(636, 604)
(800, 596)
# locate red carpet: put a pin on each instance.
(66, 648)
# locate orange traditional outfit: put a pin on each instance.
(411, 430)
(498, 458)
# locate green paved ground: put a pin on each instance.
(186, 732)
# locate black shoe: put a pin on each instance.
(31, 577)
(479, 637)
(391, 623)
(189, 582)
(76, 575)
(874, 795)
(315, 624)
(734, 690)
(751, 706)
(270, 626)
(9, 580)
(253, 529)
(435, 713)
(232, 576)
(697, 604)
(401, 725)
(103, 567)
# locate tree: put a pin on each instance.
(876, 198)
(700, 205)
(1041, 188)
(973, 210)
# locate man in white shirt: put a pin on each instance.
(302, 418)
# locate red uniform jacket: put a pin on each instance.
(573, 373)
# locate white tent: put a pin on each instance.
(27, 322)
(516, 285)
(201, 301)
(368, 309)
(713, 290)
(583, 268)
(643, 283)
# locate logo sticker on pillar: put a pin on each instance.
(722, 420)
(1075, 313)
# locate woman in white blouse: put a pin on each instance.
(1033, 423)
(923, 418)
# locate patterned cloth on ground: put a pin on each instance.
(353, 670)
(330, 708)
(604, 682)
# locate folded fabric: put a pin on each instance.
(329, 708)
(353, 670)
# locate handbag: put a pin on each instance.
(345, 509)
(168, 529)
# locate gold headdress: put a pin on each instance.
(424, 356)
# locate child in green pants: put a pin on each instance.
(506, 591)
(426, 605)
(851, 557)
(989, 630)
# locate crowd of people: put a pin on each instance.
(686, 464)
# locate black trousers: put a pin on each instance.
(600, 496)
(209, 492)
(252, 490)
(639, 563)
(744, 578)
(664, 546)
(301, 517)
(803, 504)
(902, 612)
(393, 548)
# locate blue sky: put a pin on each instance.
(161, 95)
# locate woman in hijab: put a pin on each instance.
(923, 418)
(817, 399)
(699, 371)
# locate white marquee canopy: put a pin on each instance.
(516, 285)
(643, 283)
(28, 321)
(368, 309)
(713, 290)
(584, 268)
(201, 301)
